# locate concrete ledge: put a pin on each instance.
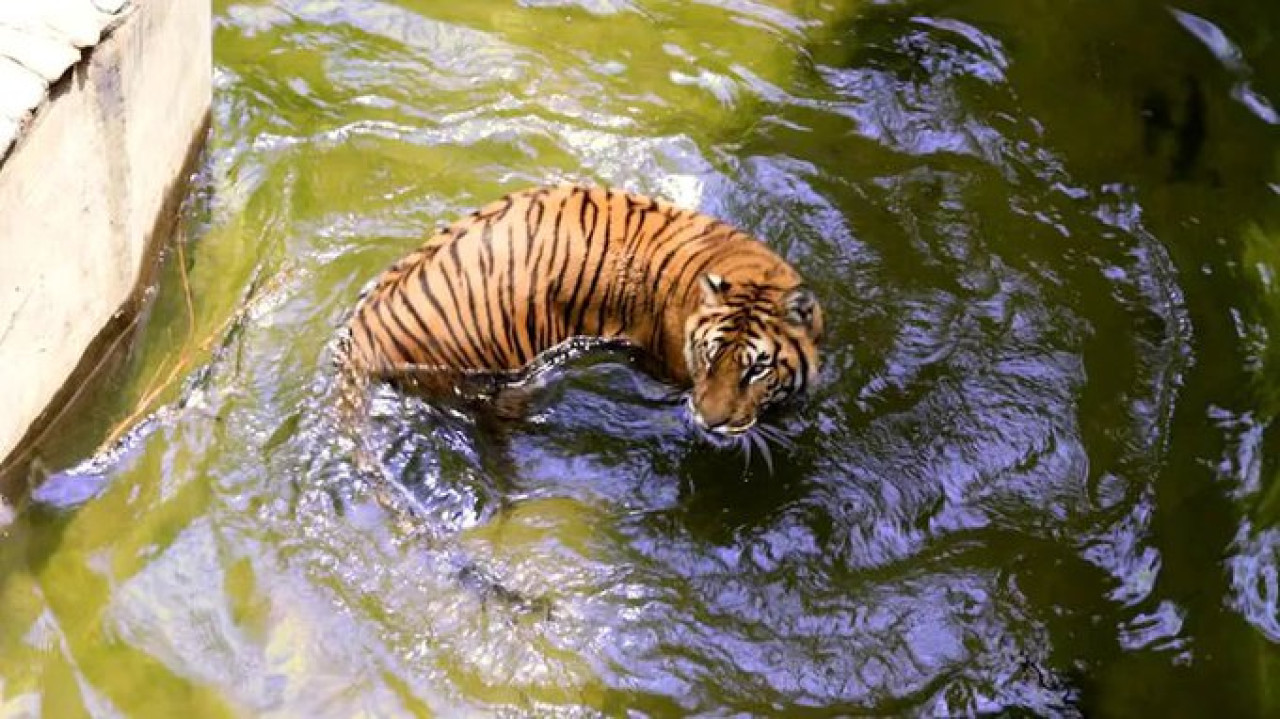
(90, 182)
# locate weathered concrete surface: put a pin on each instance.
(38, 42)
(90, 178)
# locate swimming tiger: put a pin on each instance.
(711, 308)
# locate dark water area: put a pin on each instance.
(1039, 478)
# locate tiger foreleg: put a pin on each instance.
(514, 403)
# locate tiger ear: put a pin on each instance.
(714, 288)
(800, 308)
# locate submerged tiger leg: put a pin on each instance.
(513, 403)
(354, 389)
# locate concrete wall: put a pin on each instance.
(82, 192)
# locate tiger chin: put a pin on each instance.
(712, 309)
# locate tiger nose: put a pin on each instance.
(719, 425)
(715, 424)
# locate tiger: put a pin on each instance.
(713, 310)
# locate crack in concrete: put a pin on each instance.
(13, 319)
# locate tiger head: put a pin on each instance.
(749, 347)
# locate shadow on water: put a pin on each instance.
(1038, 478)
(1174, 118)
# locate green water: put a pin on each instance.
(1040, 477)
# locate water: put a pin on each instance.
(1040, 477)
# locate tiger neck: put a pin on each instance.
(654, 322)
(649, 304)
(662, 332)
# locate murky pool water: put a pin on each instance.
(1041, 474)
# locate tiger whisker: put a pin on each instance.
(744, 443)
(777, 436)
(760, 441)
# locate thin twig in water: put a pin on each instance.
(186, 287)
(154, 388)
